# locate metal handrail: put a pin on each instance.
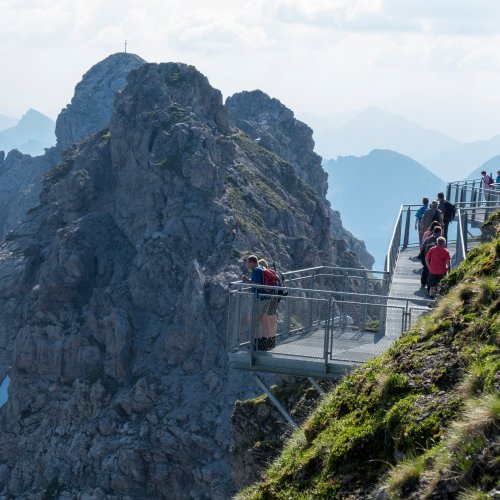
(461, 248)
(244, 287)
(392, 252)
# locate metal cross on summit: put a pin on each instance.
(125, 46)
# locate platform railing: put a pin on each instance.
(344, 279)
(313, 323)
(472, 192)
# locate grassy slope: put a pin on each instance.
(422, 420)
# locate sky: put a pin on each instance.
(436, 62)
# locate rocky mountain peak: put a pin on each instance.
(275, 127)
(92, 104)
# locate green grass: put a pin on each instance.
(415, 418)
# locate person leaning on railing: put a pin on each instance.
(262, 304)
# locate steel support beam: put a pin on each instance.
(275, 402)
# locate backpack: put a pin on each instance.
(490, 180)
(436, 217)
(271, 277)
(449, 211)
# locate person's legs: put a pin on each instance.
(425, 274)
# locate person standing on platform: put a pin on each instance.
(431, 214)
(448, 210)
(487, 182)
(438, 262)
(418, 219)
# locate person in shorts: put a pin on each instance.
(262, 303)
(438, 260)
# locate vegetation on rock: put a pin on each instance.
(420, 421)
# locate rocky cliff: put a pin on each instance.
(89, 112)
(92, 103)
(273, 126)
(113, 296)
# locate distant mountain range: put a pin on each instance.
(375, 128)
(491, 166)
(31, 135)
(359, 133)
(369, 190)
(7, 121)
(457, 163)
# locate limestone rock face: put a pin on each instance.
(92, 103)
(274, 126)
(113, 296)
(20, 184)
(89, 112)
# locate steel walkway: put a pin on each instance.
(334, 319)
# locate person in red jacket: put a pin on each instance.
(438, 260)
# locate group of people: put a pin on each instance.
(432, 221)
(264, 334)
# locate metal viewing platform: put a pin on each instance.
(333, 319)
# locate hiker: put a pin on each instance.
(270, 341)
(448, 210)
(438, 261)
(261, 302)
(487, 182)
(427, 244)
(418, 218)
(429, 231)
(432, 214)
(497, 180)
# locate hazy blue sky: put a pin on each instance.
(434, 61)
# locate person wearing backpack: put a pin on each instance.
(431, 214)
(270, 278)
(262, 302)
(448, 210)
(427, 244)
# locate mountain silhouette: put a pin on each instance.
(375, 128)
(457, 163)
(368, 192)
(31, 135)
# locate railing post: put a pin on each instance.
(473, 202)
(407, 228)
(328, 323)
(287, 317)
(464, 229)
(237, 320)
(448, 191)
(253, 327)
(458, 250)
(365, 305)
(309, 317)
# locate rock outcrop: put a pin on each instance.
(92, 103)
(20, 184)
(113, 296)
(273, 126)
(89, 112)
